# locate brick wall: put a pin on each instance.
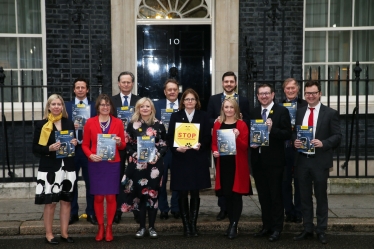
(72, 52)
(251, 17)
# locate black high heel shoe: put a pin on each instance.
(68, 239)
(53, 241)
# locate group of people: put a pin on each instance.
(128, 185)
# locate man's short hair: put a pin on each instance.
(229, 73)
(288, 81)
(171, 81)
(266, 85)
(313, 83)
(127, 73)
(81, 79)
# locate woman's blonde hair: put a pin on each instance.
(137, 116)
(49, 101)
(236, 109)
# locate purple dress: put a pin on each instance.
(104, 176)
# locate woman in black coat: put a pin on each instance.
(190, 166)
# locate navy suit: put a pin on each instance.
(314, 171)
(118, 102)
(162, 196)
(268, 167)
(292, 206)
(81, 161)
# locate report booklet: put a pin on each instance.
(67, 149)
(226, 142)
(106, 146)
(305, 135)
(80, 114)
(146, 149)
(259, 133)
(125, 113)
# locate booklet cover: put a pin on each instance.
(292, 107)
(80, 114)
(165, 117)
(226, 142)
(106, 146)
(305, 135)
(186, 134)
(259, 133)
(67, 149)
(125, 114)
(146, 149)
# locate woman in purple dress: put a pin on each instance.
(142, 181)
(104, 174)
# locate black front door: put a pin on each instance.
(182, 52)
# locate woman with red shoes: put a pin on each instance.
(103, 175)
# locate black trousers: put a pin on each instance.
(234, 206)
(269, 187)
(311, 177)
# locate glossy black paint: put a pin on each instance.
(185, 47)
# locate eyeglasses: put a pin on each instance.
(311, 93)
(264, 94)
(104, 105)
(190, 99)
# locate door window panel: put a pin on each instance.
(315, 46)
(8, 52)
(316, 13)
(338, 46)
(31, 52)
(363, 48)
(340, 13)
(29, 17)
(7, 16)
(364, 10)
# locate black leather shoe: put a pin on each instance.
(322, 238)
(298, 220)
(92, 219)
(303, 235)
(221, 215)
(68, 239)
(262, 233)
(164, 215)
(73, 218)
(53, 241)
(117, 217)
(274, 236)
(289, 218)
(176, 215)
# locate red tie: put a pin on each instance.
(310, 119)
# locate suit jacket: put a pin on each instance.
(274, 154)
(92, 128)
(161, 104)
(48, 161)
(69, 108)
(190, 170)
(215, 103)
(328, 132)
(118, 102)
(241, 178)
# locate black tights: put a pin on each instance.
(234, 206)
(193, 193)
(152, 213)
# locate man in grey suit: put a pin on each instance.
(124, 98)
(313, 169)
(171, 91)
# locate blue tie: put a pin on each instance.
(171, 105)
(125, 103)
(264, 114)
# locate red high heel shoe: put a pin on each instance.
(100, 233)
(109, 233)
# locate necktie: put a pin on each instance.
(310, 119)
(171, 105)
(264, 114)
(80, 131)
(125, 103)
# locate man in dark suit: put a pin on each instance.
(124, 98)
(292, 204)
(229, 85)
(81, 88)
(313, 169)
(171, 91)
(268, 162)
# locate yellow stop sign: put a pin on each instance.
(186, 134)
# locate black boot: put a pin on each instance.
(185, 215)
(228, 229)
(194, 212)
(233, 231)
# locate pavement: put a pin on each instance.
(347, 213)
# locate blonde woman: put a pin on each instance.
(56, 176)
(142, 181)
